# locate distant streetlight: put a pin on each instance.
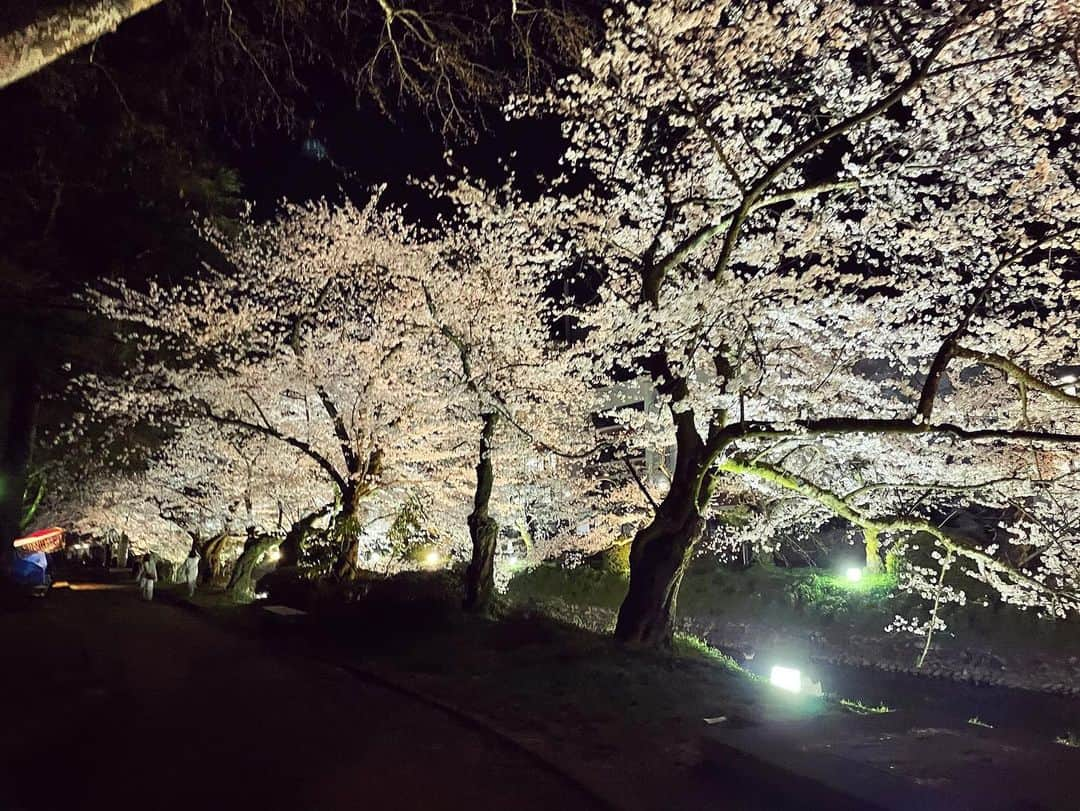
(786, 678)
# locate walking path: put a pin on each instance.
(110, 703)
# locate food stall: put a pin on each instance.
(29, 567)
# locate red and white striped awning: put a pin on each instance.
(44, 540)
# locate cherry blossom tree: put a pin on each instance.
(304, 341)
(507, 376)
(205, 486)
(839, 241)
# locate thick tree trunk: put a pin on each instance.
(18, 416)
(480, 576)
(293, 544)
(122, 547)
(661, 550)
(658, 559)
(346, 528)
(242, 583)
(28, 49)
(364, 475)
(347, 565)
(210, 558)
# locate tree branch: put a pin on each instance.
(270, 431)
(938, 42)
(837, 504)
(29, 49)
(1023, 377)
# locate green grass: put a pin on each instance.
(582, 585)
(859, 708)
(810, 599)
(689, 645)
(710, 590)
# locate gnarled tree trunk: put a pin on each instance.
(293, 544)
(484, 530)
(661, 550)
(346, 528)
(210, 558)
(346, 525)
(241, 583)
(873, 551)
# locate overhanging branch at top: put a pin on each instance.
(864, 425)
(842, 507)
(30, 48)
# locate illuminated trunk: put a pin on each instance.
(18, 416)
(242, 582)
(346, 528)
(873, 552)
(661, 551)
(210, 559)
(484, 530)
(293, 544)
(363, 477)
(122, 547)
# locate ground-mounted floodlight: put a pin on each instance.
(853, 574)
(431, 558)
(274, 555)
(786, 678)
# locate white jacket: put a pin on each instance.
(191, 569)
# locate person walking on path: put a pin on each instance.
(191, 572)
(146, 575)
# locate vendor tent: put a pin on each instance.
(44, 540)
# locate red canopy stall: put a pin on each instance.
(44, 540)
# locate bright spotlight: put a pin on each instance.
(853, 574)
(786, 678)
(274, 555)
(432, 558)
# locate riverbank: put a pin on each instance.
(771, 616)
(635, 727)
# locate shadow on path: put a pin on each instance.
(110, 703)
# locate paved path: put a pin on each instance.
(111, 703)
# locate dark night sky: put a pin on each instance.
(364, 149)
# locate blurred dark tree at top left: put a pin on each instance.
(109, 153)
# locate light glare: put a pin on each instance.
(853, 574)
(786, 678)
